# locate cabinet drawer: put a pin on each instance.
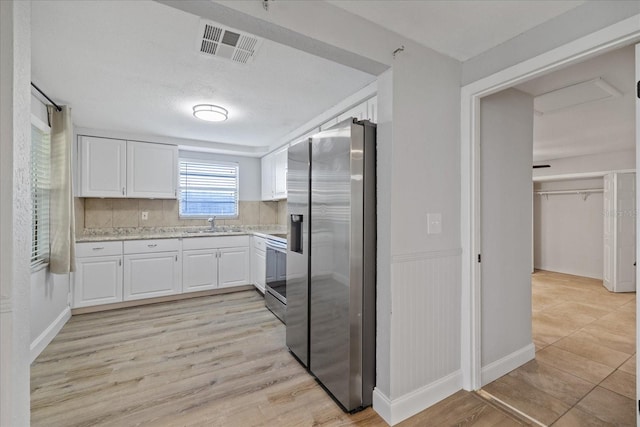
(90, 249)
(259, 243)
(152, 245)
(214, 242)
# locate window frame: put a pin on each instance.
(195, 156)
(41, 258)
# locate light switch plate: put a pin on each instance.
(144, 215)
(434, 223)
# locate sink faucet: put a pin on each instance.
(212, 221)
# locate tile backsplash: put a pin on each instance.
(123, 213)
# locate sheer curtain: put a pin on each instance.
(62, 229)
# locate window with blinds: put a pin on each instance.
(208, 188)
(40, 187)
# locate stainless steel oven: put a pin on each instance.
(275, 295)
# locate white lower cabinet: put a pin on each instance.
(234, 267)
(258, 262)
(98, 275)
(215, 262)
(199, 270)
(152, 268)
(110, 272)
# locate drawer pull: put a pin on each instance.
(152, 245)
(98, 248)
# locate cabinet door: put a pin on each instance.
(97, 280)
(233, 267)
(267, 177)
(152, 170)
(199, 270)
(151, 275)
(102, 167)
(280, 174)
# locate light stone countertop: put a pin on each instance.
(118, 234)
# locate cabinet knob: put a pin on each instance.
(98, 248)
(152, 245)
(123, 191)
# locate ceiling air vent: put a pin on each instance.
(217, 40)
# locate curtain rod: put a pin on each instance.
(45, 95)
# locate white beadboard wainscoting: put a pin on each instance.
(425, 333)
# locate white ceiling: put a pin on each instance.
(133, 66)
(461, 29)
(592, 128)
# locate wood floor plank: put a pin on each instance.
(209, 361)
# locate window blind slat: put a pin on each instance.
(40, 187)
(208, 188)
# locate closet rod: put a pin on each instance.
(588, 190)
(45, 95)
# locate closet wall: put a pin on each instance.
(568, 230)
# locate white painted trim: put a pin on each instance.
(609, 38)
(50, 333)
(397, 410)
(419, 256)
(503, 366)
(382, 405)
(582, 175)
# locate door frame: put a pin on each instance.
(620, 34)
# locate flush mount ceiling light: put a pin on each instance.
(210, 112)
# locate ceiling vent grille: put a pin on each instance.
(217, 40)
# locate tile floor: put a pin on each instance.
(584, 373)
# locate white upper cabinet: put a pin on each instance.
(102, 167)
(274, 175)
(267, 177)
(280, 173)
(119, 168)
(152, 170)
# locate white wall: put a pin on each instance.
(581, 21)
(568, 231)
(15, 226)
(506, 157)
(423, 177)
(611, 161)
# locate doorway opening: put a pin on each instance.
(578, 239)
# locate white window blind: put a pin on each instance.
(40, 187)
(208, 188)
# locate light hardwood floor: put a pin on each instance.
(209, 361)
(584, 373)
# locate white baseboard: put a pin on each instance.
(500, 367)
(397, 410)
(49, 334)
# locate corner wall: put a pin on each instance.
(420, 174)
(506, 122)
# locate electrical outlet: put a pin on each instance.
(144, 215)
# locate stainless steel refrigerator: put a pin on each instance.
(331, 259)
